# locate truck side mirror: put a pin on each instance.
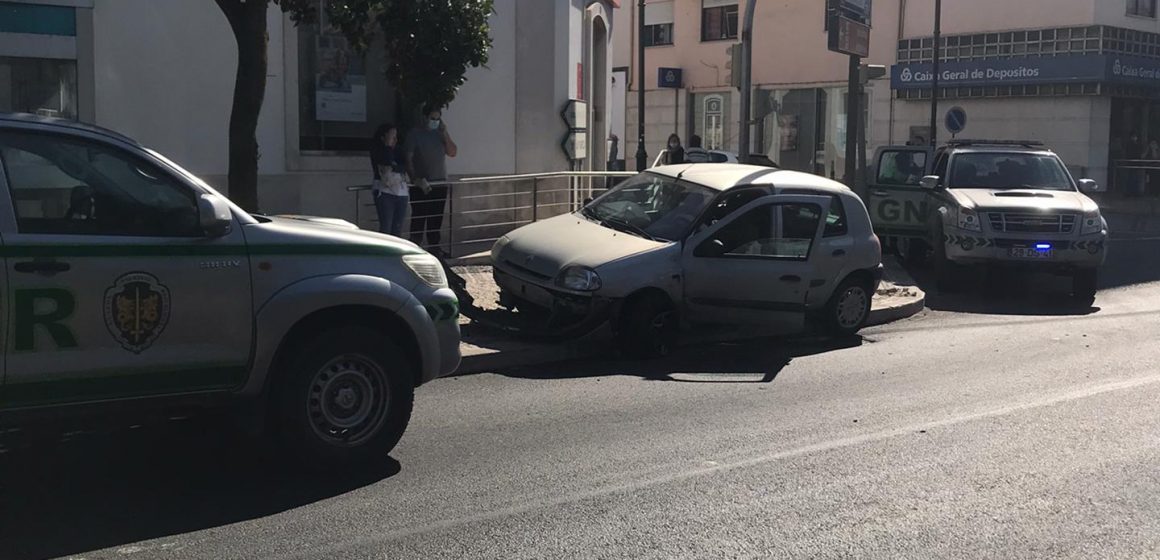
(1088, 186)
(214, 215)
(929, 182)
(710, 248)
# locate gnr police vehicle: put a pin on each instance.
(128, 280)
(988, 202)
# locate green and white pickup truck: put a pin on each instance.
(129, 281)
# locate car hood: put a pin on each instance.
(547, 247)
(321, 233)
(1028, 200)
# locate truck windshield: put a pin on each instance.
(1006, 171)
(660, 207)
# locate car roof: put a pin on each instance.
(725, 176)
(63, 125)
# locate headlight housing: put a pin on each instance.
(427, 268)
(1092, 223)
(969, 220)
(579, 279)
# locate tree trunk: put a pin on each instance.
(248, 22)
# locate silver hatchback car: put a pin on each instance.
(683, 245)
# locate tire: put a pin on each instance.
(365, 382)
(848, 309)
(911, 250)
(947, 274)
(647, 328)
(1084, 285)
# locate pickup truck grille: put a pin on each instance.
(1017, 222)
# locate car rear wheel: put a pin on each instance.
(647, 327)
(848, 308)
(347, 397)
(1084, 284)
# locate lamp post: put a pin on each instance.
(934, 81)
(641, 154)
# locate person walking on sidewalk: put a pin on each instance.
(426, 152)
(675, 153)
(390, 185)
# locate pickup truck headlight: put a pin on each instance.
(579, 279)
(427, 268)
(969, 220)
(1092, 223)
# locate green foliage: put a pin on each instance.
(430, 44)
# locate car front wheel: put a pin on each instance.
(1084, 284)
(347, 397)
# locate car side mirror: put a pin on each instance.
(710, 248)
(1088, 186)
(214, 215)
(929, 182)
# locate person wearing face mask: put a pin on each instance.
(675, 153)
(425, 153)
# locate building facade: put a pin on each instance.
(1082, 76)
(163, 73)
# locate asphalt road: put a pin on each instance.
(995, 425)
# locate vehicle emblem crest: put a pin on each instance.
(136, 310)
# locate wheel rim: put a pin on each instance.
(348, 400)
(852, 307)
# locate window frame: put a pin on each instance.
(1141, 8)
(153, 168)
(725, 12)
(650, 33)
(698, 251)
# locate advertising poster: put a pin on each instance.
(340, 90)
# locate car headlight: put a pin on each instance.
(579, 279)
(1092, 223)
(427, 268)
(498, 248)
(969, 220)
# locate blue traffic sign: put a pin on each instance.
(669, 77)
(956, 120)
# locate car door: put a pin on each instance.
(897, 202)
(755, 267)
(114, 290)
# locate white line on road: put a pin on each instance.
(820, 447)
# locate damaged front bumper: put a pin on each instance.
(566, 313)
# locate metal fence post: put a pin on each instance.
(535, 199)
(450, 221)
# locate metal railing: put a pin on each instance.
(476, 219)
(1131, 176)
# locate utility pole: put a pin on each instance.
(641, 154)
(934, 81)
(743, 150)
(853, 119)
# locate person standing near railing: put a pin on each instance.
(425, 152)
(390, 185)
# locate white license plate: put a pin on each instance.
(1031, 253)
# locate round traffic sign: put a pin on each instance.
(956, 120)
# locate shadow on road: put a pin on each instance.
(750, 361)
(99, 490)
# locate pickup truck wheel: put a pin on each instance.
(1084, 284)
(647, 328)
(347, 398)
(912, 251)
(848, 308)
(947, 274)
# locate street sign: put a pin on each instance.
(849, 37)
(669, 77)
(575, 145)
(956, 120)
(575, 114)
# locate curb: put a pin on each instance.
(892, 313)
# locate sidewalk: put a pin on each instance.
(485, 349)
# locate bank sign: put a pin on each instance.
(1030, 71)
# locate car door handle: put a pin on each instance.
(791, 278)
(879, 193)
(839, 253)
(41, 267)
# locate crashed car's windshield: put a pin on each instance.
(1008, 171)
(661, 207)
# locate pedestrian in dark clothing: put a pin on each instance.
(1135, 150)
(695, 153)
(390, 184)
(427, 149)
(675, 153)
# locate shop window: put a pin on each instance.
(342, 96)
(718, 20)
(1143, 8)
(42, 86)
